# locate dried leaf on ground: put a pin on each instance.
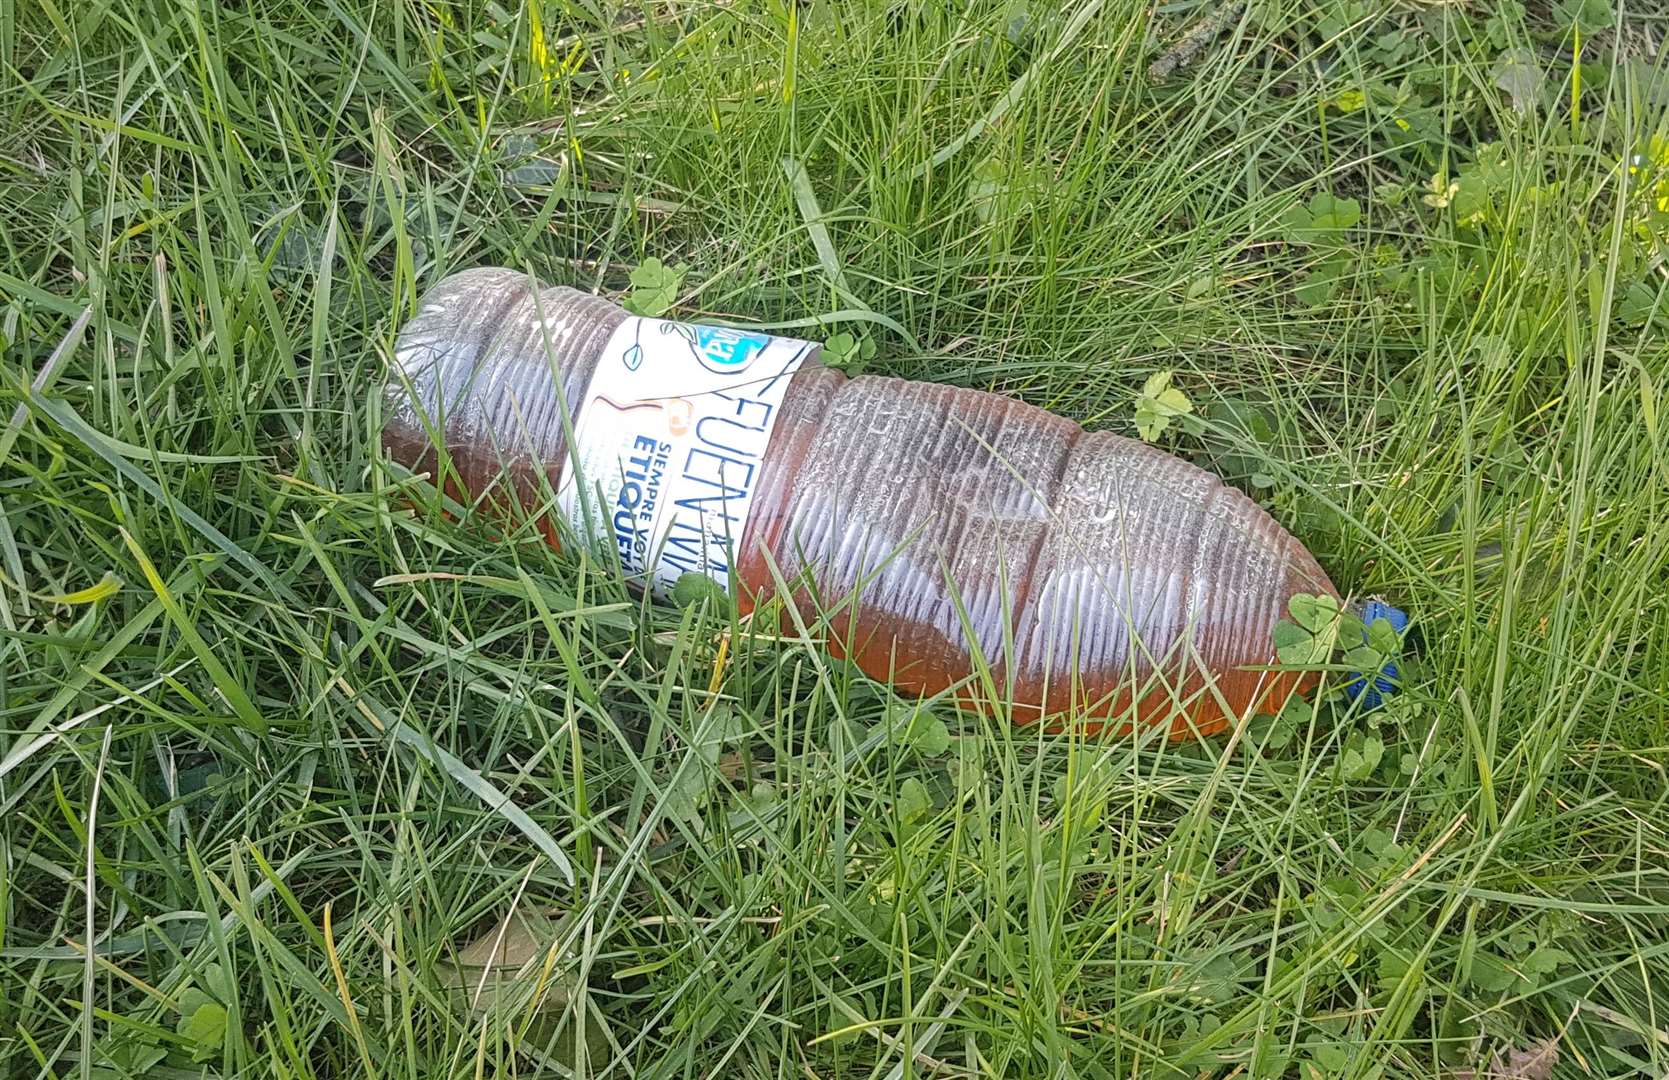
(1532, 1062)
(489, 965)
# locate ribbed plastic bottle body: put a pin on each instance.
(936, 536)
(486, 368)
(1088, 573)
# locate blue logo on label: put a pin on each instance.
(722, 349)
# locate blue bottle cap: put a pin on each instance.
(1384, 682)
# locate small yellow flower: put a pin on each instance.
(1654, 163)
(1440, 194)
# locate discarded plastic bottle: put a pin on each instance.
(943, 536)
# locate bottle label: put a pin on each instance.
(670, 442)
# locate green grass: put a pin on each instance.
(306, 743)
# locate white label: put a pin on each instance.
(670, 441)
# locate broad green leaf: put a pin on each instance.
(1322, 283)
(1519, 74)
(1470, 201)
(191, 999)
(840, 346)
(691, 786)
(1333, 213)
(1383, 638)
(1269, 1057)
(932, 738)
(1314, 613)
(1274, 732)
(1638, 304)
(128, 1059)
(1322, 219)
(968, 768)
(759, 798)
(1331, 1056)
(1586, 16)
(1365, 660)
(654, 287)
(692, 588)
(1156, 384)
(1361, 756)
(1296, 646)
(1546, 960)
(912, 800)
(1173, 402)
(848, 352)
(916, 728)
(1491, 973)
(205, 1029)
(1158, 404)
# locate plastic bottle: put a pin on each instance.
(1105, 583)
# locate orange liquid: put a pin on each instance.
(1102, 583)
